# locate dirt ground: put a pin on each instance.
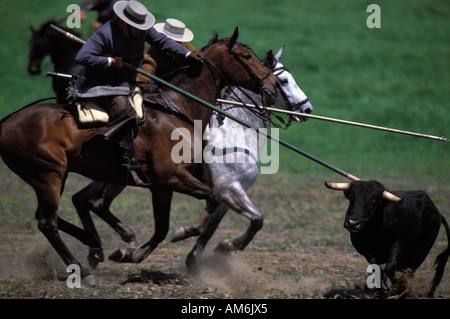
(303, 251)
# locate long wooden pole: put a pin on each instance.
(330, 119)
(317, 117)
(240, 121)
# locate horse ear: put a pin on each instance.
(32, 30)
(270, 58)
(279, 53)
(234, 36)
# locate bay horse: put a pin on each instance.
(229, 180)
(62, 52)
(42, 143)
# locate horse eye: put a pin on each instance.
(247, 56)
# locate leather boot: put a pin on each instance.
(135, 175)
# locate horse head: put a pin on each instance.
(239, 66)
(291, 97)
(47, 41)
(39, 49)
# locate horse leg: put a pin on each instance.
(97, 197)
(95, 250)
(161, 200)
(218, 211)
(184, 182)
(48, 195)
(236, 198)
(197, 229)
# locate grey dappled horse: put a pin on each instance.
(233, 168)
(229, 180)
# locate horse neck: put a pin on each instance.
(247, 97)
(207, 86)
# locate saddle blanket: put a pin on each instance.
(90, 112)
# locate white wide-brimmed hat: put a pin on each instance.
(135, 14)
(175, 29)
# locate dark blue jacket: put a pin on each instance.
(109, 40)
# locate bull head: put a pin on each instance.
(365, 202)
(345, 186)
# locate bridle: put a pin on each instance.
(282, 69)
(250, 71)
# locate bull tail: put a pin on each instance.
(441, 260)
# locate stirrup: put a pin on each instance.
(136, 176)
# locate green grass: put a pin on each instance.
(397, 76)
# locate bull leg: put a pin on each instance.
(392, 263)
(236, 198)
(385, 279)
(161, 209)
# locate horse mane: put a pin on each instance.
(214, 40)
(184, 69)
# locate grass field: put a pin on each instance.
(396, 76)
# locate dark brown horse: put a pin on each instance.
(42, 143)
(62, 51)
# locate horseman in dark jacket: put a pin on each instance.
(123, 39)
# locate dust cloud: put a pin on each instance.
(236, 279)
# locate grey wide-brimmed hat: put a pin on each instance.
(135, 14)
(175, 29)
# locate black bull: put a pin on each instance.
(397, 233)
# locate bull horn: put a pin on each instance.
(338, 186)
(391, 197)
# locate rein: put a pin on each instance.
(261, 111)
(249, 70)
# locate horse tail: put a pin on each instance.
(441, 260)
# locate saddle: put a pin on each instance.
(89, 111)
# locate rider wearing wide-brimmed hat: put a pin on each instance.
(158, 62)
(123, 38)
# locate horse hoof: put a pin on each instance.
(192, 264)
(122, 255)
(95, 256)
(177, 234)
(225, 246)
(92, 281)
(193, 269)
(117, 255)
(97, 253)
